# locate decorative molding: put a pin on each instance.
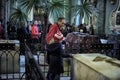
(115, 17)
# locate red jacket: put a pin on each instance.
(53, 31)
(35, 32)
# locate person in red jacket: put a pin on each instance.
(35, 32)
(1, 30)
(55, 51)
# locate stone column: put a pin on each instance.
(101, 6)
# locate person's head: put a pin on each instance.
(91, 26)
(35, 22)
(81, 25)
(39, 22)
(61, 22)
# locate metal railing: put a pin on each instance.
(10, 63)
(41, 60)
(9, 60)
(36, 69)
(33, 70)
(107, 49)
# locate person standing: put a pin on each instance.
(1, 31)
(23, 35)
(40, 25)
(91, 30)
(55, 51)
(35, 32)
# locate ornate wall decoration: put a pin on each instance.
(115, 18)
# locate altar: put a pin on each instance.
(95, 67)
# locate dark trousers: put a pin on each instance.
(51, 76)
(55, 62)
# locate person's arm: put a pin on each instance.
(52, 30)
(50, 34)
(25, 31)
